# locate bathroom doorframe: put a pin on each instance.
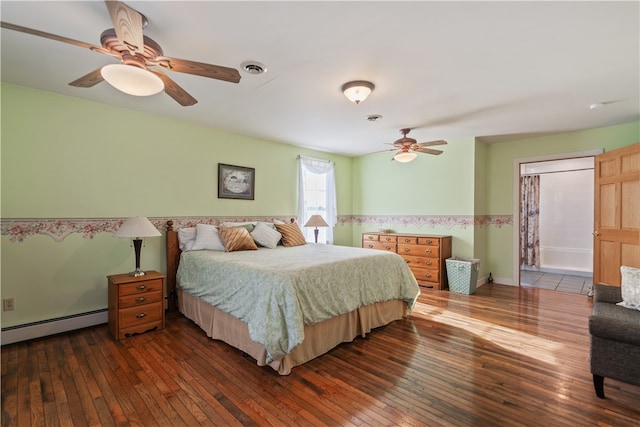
(516, 198)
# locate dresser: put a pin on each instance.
(136, 304)
(425, 254)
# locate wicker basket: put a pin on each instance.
(462, 274)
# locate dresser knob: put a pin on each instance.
(370, 246)
(428, 251)
(407, 240)
(141, 299)
(141, 315)
(407, 249)
(141, 287)
(370, 237)
(428, 242)
(427, 263)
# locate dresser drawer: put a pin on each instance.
(370, 238)
(425, 274)
(140, 329)
(422, 262)
(134, 300)
(419, 250)
(141, 287)
(133, 316)
(435, 241)
(388, 239)
(408, 240)
(380, 246)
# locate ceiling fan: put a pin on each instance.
(409, 147)
(136, 53)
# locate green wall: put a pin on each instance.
(69, 158)
(500, 186)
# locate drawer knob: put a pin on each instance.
(428, 242)
(388, 248)
(407, 261)
(428, 251)
(407, 240)
(407, 249)
(141, 315)
(387, 238)
(427, 276)
(141, 299)
(371, 246)
(427, 263)
(370, 237)
(141, 287)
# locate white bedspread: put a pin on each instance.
(278, 291)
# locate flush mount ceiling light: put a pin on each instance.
(357, 91)
(405, 157)
(132, 80)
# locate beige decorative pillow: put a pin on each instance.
(237, 239)
(291, 234)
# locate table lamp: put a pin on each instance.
(316, 221)
(136, 228)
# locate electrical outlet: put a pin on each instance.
(8, 304)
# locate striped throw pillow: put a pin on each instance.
(291, 234)
(237, 239)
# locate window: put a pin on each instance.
(316, 196)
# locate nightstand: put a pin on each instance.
(136, 304)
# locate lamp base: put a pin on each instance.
(137, 273)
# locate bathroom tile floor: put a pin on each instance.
(559, 282)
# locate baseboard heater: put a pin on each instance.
(58, 325)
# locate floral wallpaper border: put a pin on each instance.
(18, 229)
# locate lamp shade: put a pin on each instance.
(132, 80)
(357, 91)
(405, 157)
(316, 221)
(137, 226)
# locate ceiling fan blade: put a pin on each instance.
(432, 143)
(89, 80)
(429, 151)
(172, 89)
(200, 69)
(49, 36)
(128, 25)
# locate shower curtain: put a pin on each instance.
(529, 220)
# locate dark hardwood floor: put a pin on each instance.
(505, 356)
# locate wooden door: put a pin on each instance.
(616, 233)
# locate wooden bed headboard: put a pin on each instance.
(173, 258)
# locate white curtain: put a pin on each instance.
(329, 211)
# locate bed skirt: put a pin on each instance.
(319, 338)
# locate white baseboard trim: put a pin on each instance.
(44, 328)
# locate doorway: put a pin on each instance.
(555, 248)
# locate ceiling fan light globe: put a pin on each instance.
(405, 157)
(132, 80)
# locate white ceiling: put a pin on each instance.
(450, 70)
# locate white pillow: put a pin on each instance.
(265, 236)
(630, 287)
(207, 237)
(186, 238)
(249, 225)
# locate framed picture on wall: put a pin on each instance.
(236, 182)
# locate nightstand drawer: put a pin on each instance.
(133, 316)
(138, 299)
(141, 287)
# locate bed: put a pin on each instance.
(284, 306)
